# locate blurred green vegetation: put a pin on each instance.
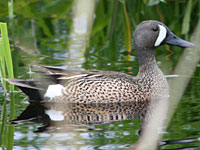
(43, 27)
(39, 33)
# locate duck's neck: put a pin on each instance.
(147, 62)
(150, 73)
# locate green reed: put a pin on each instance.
(6, 66)
(10, 9)
(6, 71)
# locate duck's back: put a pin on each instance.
(103, 88)
(93, 86)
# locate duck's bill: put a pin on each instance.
(175, 40)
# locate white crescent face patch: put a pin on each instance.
(161, 36)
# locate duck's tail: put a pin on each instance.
(34, 89)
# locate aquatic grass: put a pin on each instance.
(3, 129)
(6, 66)
(186, 19)
(7, 131)
(127, 29)
(2, 65)
(6, 71)
(79, 37)
(10, 9)
(127, 33)
(113, 20)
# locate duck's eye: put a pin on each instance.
(155, 28)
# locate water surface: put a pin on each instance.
(42, 33)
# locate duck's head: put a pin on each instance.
(151, 34)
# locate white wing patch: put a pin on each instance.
(161, 36)
(54, 90)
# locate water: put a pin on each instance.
(42, 34)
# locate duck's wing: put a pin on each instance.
(77, 85)
(92, 86)
(62, 74)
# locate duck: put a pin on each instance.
(97, 86)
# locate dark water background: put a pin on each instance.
(42, 33)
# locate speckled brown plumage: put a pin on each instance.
(108, 87)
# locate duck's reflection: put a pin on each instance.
(61, 114)
(61, 117)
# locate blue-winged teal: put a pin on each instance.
(94, 86)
